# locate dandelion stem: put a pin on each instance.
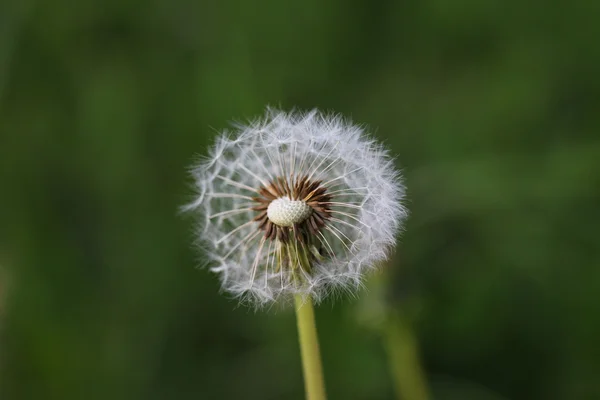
(401, 348)
(309, 347)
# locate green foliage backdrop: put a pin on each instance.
(491, 107)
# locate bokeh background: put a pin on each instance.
(491, 108)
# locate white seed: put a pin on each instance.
(286, 212)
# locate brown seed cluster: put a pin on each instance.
(303, 189)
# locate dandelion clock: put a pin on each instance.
(296, 206)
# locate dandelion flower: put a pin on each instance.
(296, 204)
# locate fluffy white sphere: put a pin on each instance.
(347, 210)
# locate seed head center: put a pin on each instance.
(287, 212)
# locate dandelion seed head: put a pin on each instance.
(296, 203)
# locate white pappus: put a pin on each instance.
(295, 203)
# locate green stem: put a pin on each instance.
(309, 347)
(401, 346)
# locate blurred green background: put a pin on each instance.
(491, 107)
